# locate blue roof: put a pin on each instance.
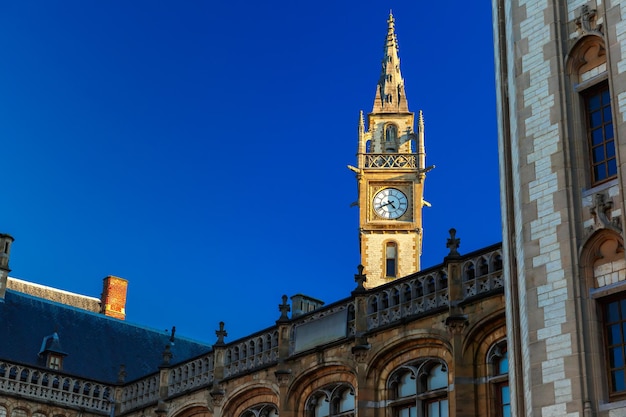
(96, 345)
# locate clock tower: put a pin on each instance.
(390, 174)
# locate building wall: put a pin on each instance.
(558, 217)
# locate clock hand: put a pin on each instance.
(391, 202)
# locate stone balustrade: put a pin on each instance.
(253, 352)
(50, 387)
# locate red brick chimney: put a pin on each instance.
(113, 299)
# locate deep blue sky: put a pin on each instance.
(199, 148)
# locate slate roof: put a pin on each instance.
(96, 345)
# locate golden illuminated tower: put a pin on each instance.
(390, 173)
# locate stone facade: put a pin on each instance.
(440, 331)
(562, 194)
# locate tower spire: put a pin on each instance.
(390, 89)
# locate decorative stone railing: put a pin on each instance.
(54, 388)
(253, 352)
(190, 375)
(140, 393)
(482, 274)
(418, 295)
(391, 160)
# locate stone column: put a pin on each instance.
(360, 350)
(461, 397)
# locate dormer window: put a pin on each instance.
(55, 361)
(52, 352)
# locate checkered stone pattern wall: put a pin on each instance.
(548, 210)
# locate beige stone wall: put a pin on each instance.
(549, 205)
(374, 256)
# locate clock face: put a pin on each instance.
(390, 203)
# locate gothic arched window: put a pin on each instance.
(261, 410)
(420, 390)
(332, 400)
(498, 359)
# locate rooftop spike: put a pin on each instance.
(390, 95)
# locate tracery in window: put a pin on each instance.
(332, 400)
(420, 390)
(498, 358)
(261, 410)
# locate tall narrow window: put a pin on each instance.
(391, 255)
(615, 336)
(502, 388)
(600, 133)
(499, 359)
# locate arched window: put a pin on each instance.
(498, 360)
(332, 400)
(587, 68)
(261, 410)
(602, 260)
(391, 259)
(420, 390)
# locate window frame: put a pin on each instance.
(604, 303)
(391, 244)
(332, 394)
(423, 396)
(605, 126)
(498, 380)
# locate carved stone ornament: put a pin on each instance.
(161, 410)
(453, 244)
(586, 22)
(217, 396)
(360, 352)
(602, 217)
(283, 376)
(457, 323)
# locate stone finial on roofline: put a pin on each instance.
(5, 250)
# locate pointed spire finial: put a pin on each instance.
(390, 89)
